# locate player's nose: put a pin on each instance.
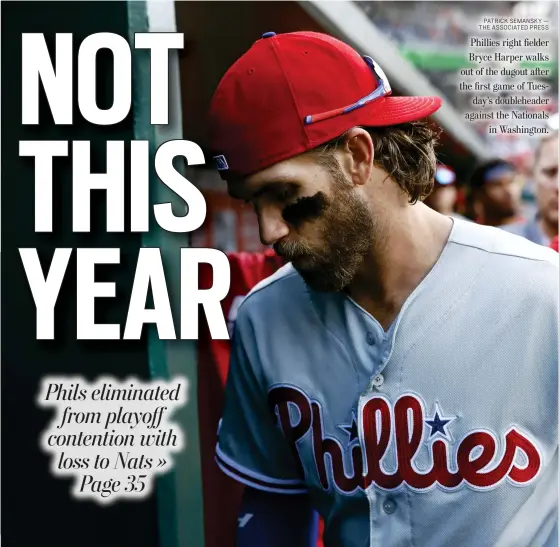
(272, 226)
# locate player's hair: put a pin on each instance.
(405, 151)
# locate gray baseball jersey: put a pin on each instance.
(441, 432)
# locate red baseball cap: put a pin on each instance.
(292, 92)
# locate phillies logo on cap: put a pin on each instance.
(221, 163)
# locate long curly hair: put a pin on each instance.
(405, 151)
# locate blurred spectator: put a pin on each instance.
(542, 227)
(494, 193)
(444, 195)
(555, 244)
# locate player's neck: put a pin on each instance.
(446, 211)
(412, 244)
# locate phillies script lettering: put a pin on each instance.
(380, 423)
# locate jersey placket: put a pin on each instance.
(389, 512)
(384, 342)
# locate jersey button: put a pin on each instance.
(389, 506)
(378, 380)
(370, 339)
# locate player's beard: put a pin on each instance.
(346, 229)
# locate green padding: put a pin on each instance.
(449, 61)
(179, 493)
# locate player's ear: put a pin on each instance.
(359, 155)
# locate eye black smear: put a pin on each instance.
(305, 209)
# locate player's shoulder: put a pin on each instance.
(509, 261)
(282, 290)
(503, 245)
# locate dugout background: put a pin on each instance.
(37, 510)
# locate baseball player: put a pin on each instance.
(399, 375)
